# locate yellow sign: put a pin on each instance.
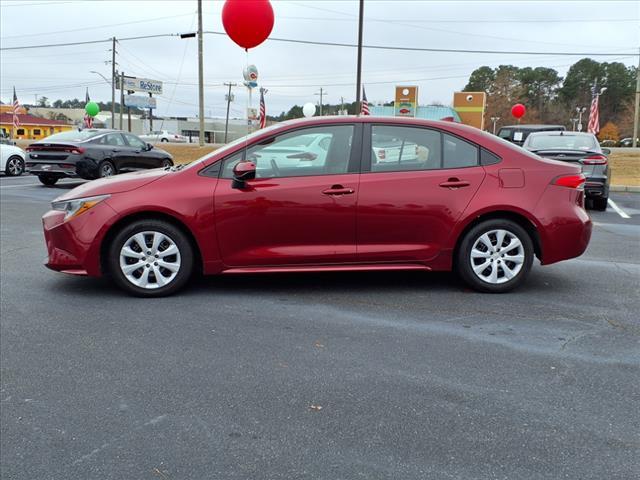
(406, 102)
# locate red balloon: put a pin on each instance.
(518, 110)
(247, 22)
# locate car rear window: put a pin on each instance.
(562, 142)
(74, 135)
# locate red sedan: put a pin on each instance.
(447, 197)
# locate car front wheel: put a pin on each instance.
(167, 163)
(151, 258)
(495, 256)
(14, 167)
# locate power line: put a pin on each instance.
(354, 18)
(337, 44)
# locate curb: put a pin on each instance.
(625, 188)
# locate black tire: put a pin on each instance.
(164, 140)
(48, 180)
(167, 162)
(106, 169)
(599, 203)
(176, 235)
(464, 261)
(14, 167)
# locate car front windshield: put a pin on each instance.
(73, 135)
(561, 142)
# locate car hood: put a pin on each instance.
(117, 184)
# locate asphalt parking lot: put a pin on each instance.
(333, 376)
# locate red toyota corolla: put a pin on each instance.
(331, 193)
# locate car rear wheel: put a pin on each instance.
(600, 204)
(106, 169)
(48, 180)
(495, 256)
(165, 140)
(151, 258)
(14, 167)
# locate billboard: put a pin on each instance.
(406, 101)
(139, 101)
(470, 106)
(141, 85)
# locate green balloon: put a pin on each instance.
(92, 109)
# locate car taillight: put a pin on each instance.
(29, 149)
(67, 165)
(382, 154)
(570, 181)
(77, 151)
(594, 160)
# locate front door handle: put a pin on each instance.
(338, 190)
(454, 183)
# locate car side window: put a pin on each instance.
(134, 141)
(311, 151)
(397, 149)
(113, 139)
(458, 153)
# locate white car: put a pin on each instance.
(11, 160)
(310, 149)
(163, 136)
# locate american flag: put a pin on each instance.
(594, 114)
(88, 120)
(15, 108)
(364, 109)
(263, 110)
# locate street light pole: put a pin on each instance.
(580, 111)
(636, 120)
(494, 120)
(200, 76)
(113, 83)
(359, 68)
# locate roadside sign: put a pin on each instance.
(143, 85)
(406, 102)
(252, 113)
(139, 101)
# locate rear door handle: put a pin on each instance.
(338, 190)
(454, 183)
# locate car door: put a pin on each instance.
(407, 208)
(291, 214)
(115, 149)
(139, 156)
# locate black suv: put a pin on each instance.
(91, 153)
(518, 133)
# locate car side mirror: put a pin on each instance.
(149, 147)
(242, 172)
(606, 151)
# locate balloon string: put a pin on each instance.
(246, 138)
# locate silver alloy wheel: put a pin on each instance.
(14, 165)
(150, 260)
(497, 256)
(106, 170)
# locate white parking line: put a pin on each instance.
(39, 184)
(617, 209)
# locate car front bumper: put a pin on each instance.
(73, 246)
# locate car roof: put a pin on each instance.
(557, 133)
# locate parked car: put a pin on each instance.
(518, 133)
(474, 203)
(11, 160)
(290, 152)
(628, 142)
(163, 136)
(578, 148)
(90, 154)
(6, 141)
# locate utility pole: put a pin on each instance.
(150, 115)
(341, 105)
(359, 68)
(121, 97)
(200, 76)
(321, 93)
(229, 98)
(113, 83)
(635, 118)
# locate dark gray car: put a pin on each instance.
(581, 148)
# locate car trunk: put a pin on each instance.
(570, 156)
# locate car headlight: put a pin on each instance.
(77, 206)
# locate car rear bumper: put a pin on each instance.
(597, 187)
(73, 246)
(71, 167)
